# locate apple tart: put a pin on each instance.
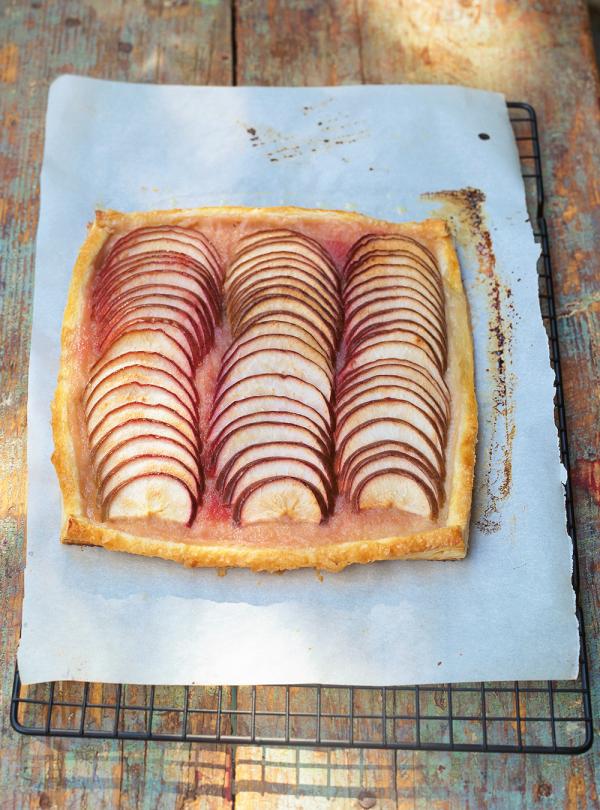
(266, 388)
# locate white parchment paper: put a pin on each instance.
(507, 611)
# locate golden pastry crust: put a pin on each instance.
(447, 541)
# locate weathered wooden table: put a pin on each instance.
(534, 50)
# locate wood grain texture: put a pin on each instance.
(533, 50)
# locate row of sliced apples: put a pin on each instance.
(393, 404)
(156, 300)
(270, 435)
(270, 443)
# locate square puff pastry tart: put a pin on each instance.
(269, 388)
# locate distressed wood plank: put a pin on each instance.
(537, 52)
(149, 41)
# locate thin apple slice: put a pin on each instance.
(388, 429)
(391, 450)
(372, 243)
(395, 488)
(394, 407)
(388, 461)
(103, 368)
(390, 276)
(147, 465)
(277, 361)
(243, 347)
(147, 445)
(155, 314)
(268, 299)
(395, 294)
(133, 429)
(401, 389)
(154, 341)
(141, 394)
(250, 435)
(134, 411)
(162, 245)
(279, 499)
(295, 244)
(292, 450)
(395, 350)
(166, 277)
(438, 387)
(137, 374)
(271, 305)
(282, 286)
(405, 333)
(169, 330)
(286, 314)
(280, 327)
(394, 316)
(284, 385)
(157, 495)
(284, 266)
(223, 416)
(378, 262)
(321, 440)
(267, 469)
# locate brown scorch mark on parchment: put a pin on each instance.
(463, 209)
(331, 131)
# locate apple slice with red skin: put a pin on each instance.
(382, 311)
(193, 235)
(276, 361)
(387, 428)
(133, 429)
(252, 434)
(372, 277)
(294, 245)
(396, 407)
(399, 390)
(259, 405)
(154, 495)
(154, 341)
(438, 344)
(293, 450)
(391, 450)
(124, 299)
(285, 385)
(141, 394)
(321, 440)
(141, 375)
(172, 247)
(392, 243)
(148, 445)
(283, 266)
(160, 297)
(386, 462)
(160, 263)
(440, 391)
(393, 488)
(241, 348)
(147, 465)
(273, 305)
(378, 264)
(271, 234)
(395, 294)
(159, 260)
(204, 250)
(102, 369)
(272, 468)
(395, 350)
(282, 286)
(280, 327)
(277, 499)
(169, 330)
(269, 301)
(167, 275)
(286, 315)
(156, 314)
(406, 331)
(394, 316)
(131, 411)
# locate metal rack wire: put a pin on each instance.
(524, 717)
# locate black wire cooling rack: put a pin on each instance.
(524, 717)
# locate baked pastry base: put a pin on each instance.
(212, 541)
